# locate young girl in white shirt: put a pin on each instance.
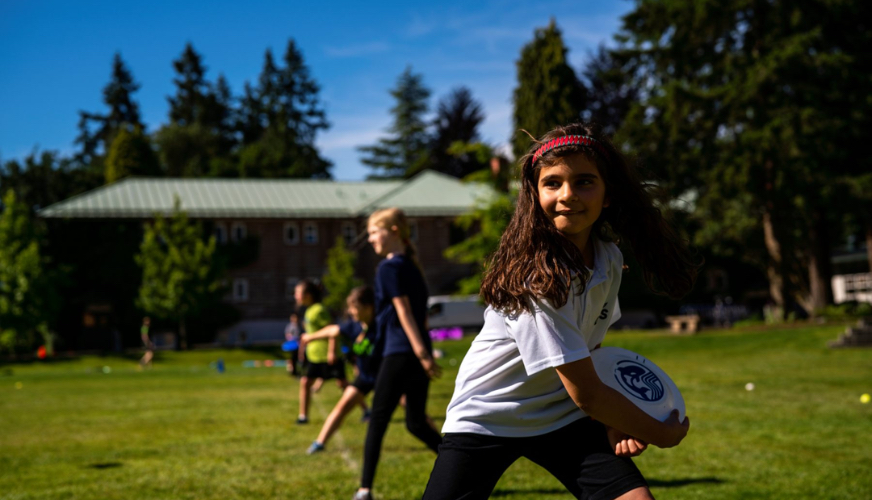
(527, 386)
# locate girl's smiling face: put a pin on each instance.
(572, 194)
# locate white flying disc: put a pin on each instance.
(640, 380)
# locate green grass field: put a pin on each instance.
(183, 431)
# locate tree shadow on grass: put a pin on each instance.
(677, 483)
(105, 465)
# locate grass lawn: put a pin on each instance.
(183, 431)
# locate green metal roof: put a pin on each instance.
(431, 193)
(428, 193)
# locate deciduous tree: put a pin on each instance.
(339, 277)
(28, 299)
(180, 274)
(744, 108)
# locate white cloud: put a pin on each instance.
(353, 131)
(357, 50)
(419, 26)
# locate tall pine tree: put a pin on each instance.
(96, 131)
(405, 151)
(610, 91)
(198, 139)
(280, 119)
(458, 116)
(548, 93)
(187, 107)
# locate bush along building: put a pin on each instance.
(273, 233)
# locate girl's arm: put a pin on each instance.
(611, 408)
(407, 320)
(331, 350)
(328, 332)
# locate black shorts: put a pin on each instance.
(578, 455)
(325, 371)
(364, 385)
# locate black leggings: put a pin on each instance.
(399, 374)
(578, 455)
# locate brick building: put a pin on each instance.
(291, 224)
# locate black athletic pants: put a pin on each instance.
(578, 455)
(399, 374)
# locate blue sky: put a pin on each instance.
(55, 58)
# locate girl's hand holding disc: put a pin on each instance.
(624, 444)
(677, 430)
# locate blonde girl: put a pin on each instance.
(407, 353)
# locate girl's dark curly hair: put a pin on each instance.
(534, 260)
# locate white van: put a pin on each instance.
(445, 311)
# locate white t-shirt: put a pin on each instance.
(507, 384)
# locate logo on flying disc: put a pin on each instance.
(639, 381)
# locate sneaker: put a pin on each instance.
(302, 420)
(315, 448)
(362, 495)
(366, 415)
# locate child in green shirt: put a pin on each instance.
(322, 354)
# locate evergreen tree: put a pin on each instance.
(219, 114)
(458, 116)
(250, 122)
(45, 178)
(279, 121)
(28, 299)
(96, 131)
(745, 107)
(180, 274)
(339, 277)
(548, 93)
(188, 105)
(186, 151)
(130, 154)
(198, 139)
(405, 151)
(299, 109)
(610, 91)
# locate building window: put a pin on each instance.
(291, 233)
(349, 233)
(413, 231)
(220, 233)
(238, 231)
(240, 290)
(310, 233)
(290, 284)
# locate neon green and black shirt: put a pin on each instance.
(316, 318)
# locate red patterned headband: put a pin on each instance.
(566, 140)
